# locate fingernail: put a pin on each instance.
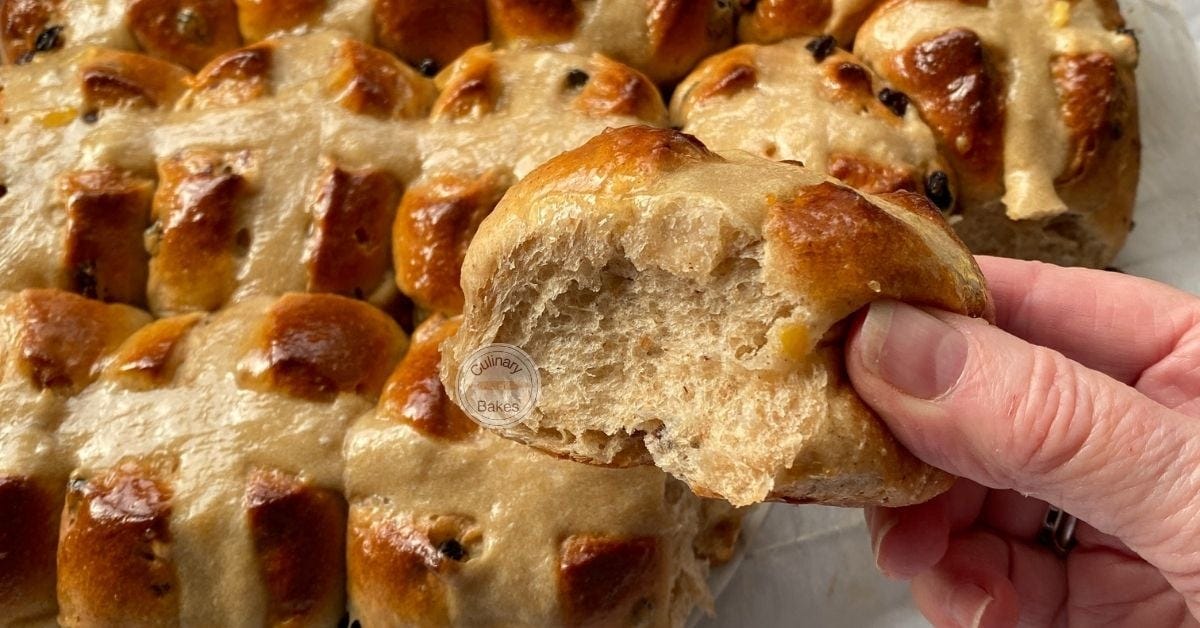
(912, 350)
(877, 539)
(968, 605)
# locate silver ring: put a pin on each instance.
(1058, 531)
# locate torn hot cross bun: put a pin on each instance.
(687, 310)
(452, 525)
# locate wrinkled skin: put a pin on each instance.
(1086, 395)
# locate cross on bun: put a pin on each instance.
(78, 171)
(453, 525)
(294, 149)
(196, 191)
(207, 475)
(1034, 105)
(812, 103)
(191, 33)
(688, 310)
(282, 181)
(190, 470)
(499, 114)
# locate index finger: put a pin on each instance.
(1117, 324)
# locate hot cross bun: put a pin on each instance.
(206, 189)
(290, 150)
(282, 182)
(52, 345)
(1034, 105)
(769, 21)
(206, 487)
(77, 170)
(189, 33)
(663, 38)
(815, 104)
(499, 114)
(687, 309)
(452, 525)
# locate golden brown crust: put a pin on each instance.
(958, 93)
(235, 77)
(64, 336)
(315, 346)
(1089, 91)
(823, 227)
(348, 253)
(414, 395)
(615, 89)
(111, 78)
(722, 75)
(369, 81)
(770, 21)
(606, 581)
(437, 218)
(818, 106)
(621, 158)
(1106, 149)
(299, 540)
(107, 212)
(114, 554)
(396, 573)
(682, 32)
(187, 32)
(149, 357)
(469, 88)
(849, 80)
(1037, 111)
(259, 19)
(29, 515)
(871, 176)
(536, 21)
(437, 30)
(22, 23)
(196, 221)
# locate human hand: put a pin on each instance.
(1089, 399)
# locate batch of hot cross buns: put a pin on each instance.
(243, 243)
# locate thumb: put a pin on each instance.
(985, 405)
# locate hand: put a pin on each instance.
(1086, 395)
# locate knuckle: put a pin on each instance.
(1051, 420)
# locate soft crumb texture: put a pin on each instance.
(686, 310)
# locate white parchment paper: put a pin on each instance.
(812, 566)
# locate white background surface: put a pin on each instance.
(812, 566)
(1192, 10)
